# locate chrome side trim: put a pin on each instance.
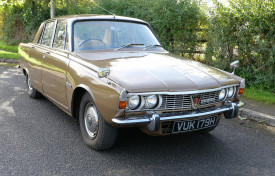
(183, 93)
(147, 118)
(69, 85)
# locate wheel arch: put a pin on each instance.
(78, 93)
(25, 71)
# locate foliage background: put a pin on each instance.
(244, 30)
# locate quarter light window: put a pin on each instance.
(48, 33)
(60, 35)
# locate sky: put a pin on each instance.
(210, 3)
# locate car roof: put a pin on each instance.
(96, 17)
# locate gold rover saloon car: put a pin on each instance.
(111, 72)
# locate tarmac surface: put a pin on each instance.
(37, 138)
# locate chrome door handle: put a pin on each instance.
(46, 53)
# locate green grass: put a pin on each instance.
(259, 95)
(6, 47)
(8, 55)
(8, 64)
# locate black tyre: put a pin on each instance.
(32, 92)
(96, 132)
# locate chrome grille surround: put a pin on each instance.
(182, 100)
(172, 102)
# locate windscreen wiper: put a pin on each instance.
(152, 46)
(131, 44)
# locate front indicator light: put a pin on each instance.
(122, 104)
(241, 91)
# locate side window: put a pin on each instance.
(48, 33)
(40, 38)
(41, 29)
(60, 35)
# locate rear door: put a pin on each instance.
(35, 60)
(55, 62)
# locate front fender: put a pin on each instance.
(105, 95)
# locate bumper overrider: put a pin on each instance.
(153, 120)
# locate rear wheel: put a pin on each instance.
(96, 132)
(32, 92)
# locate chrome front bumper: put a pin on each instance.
(153, 120)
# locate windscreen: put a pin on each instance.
(94, 35)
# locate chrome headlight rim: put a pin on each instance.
(229, 95)
(154, 105)
(130, 105)
(224, 91)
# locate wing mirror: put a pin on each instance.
(61, 35)
(234, 65)
(103, 72)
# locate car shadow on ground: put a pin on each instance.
(132, 139)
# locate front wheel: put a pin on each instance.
(96, 132)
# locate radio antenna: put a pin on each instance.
(103, 9)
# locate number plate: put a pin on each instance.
(191, 125)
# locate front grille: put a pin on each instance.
(173, 102)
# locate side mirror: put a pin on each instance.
(61, 35)
(103, 72)
(234, 65)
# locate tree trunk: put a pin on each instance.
(52, 8)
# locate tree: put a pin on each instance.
(52, 8)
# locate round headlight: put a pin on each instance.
(222, 94)
(151, 101)
(134, 102)
(231, 91)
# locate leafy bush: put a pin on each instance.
(245, 31)
(175, 21)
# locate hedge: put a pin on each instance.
(244, 30)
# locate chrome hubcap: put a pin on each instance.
(30, 84)
(91, 120)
